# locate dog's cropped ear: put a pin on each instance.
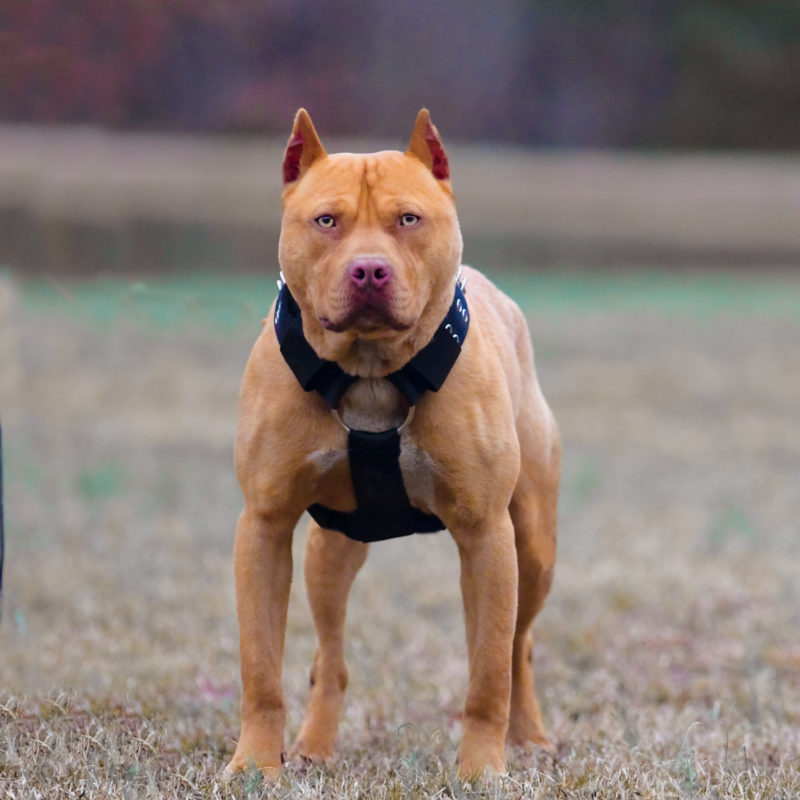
(426, 145)
(303, 148)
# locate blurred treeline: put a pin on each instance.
(644, 73)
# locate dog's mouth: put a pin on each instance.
(365, 320)
(366, 312)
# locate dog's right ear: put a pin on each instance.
(303, 148)
(426, 145)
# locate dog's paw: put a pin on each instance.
(530, 739)
(477, 761)
(243, 760)
(311, 752)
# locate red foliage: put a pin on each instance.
(705, 74)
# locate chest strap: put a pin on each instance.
(383, 508)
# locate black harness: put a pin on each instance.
(383, 509)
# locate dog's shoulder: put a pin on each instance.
(497, 314)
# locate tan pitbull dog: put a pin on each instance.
(371, 249)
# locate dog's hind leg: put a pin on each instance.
(331, 564)
(533, 512)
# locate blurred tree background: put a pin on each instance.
(577, 73)
(143, 135)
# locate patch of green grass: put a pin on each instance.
(694, 294)
(731, 523)
(18, 466)
(579, 482)
(172, 302)
(100, 481)
(227, 303)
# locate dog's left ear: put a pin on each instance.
(426, 145)
(302, 149)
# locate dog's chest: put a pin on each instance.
(375, 405)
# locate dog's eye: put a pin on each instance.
(326, 221)
(409, 219)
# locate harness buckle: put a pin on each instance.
(399, 429)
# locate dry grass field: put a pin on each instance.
(668, 656)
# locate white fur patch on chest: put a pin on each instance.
(419, 472)
(325, 460)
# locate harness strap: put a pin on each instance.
(383, 508)
(313, 373)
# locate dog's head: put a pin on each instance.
(370, 244)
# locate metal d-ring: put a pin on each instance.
(409, 417)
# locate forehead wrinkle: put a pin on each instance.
(331, 191)
(379, 191)
(367, 182)
(375, 172)
(338, 173)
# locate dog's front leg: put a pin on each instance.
(489, 588)
(331, 564)
(263, 567)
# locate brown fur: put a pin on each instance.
(482, 453)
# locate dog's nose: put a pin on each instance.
(370, 273)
